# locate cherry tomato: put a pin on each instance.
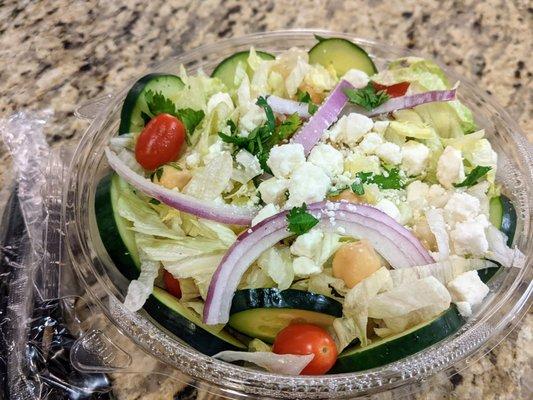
(396, 90)
(172, 284)
(160, 141)
(308, 339)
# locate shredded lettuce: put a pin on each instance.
(361, 297)
(276, 262)
(199, 268)
(410, 304)
(145, 219)
(189, 290)
(344, 332)
(287, 364)
(444, 271)
(324, 282)
(255, 278)
(209, 183)
(140, 289)
(168, 250)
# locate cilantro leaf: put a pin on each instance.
(159, 104)
(154, 201)
(357, 187)
(305, 97)
(388, 180)
(473, 176)
(190, 118)
(271, 120)
(336, 192)
(367, 97)
(300, 221)
(287, 128)
(263, 138)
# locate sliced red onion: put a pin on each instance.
(224, 213)
(287, 107)
(326, 115)
(399, 103)
(390, 239)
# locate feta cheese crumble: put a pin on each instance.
(450, 168)
(468, 287)
(414, 157)
(284, 159)
(308, 184)
(308, 244)
(264, 213)
(273, 190)
(328, 158)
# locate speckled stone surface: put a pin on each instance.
(59, 54)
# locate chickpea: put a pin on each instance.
(173, 178)
(355, 261)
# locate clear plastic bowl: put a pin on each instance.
(511, 289)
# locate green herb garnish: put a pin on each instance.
(154, 201)
(305, 97)
(158, 104)
(264, 137)
(388, 180)
(287, 128)
(300, 221)
(367, 97)
(474, 175)
(357, 187)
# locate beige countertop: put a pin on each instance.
(59, 54)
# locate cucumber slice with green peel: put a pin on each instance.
(384, 351)
(342, 55)
(118, 239)
(502, 215)
(262, 313)
(187, 325)
(225, 71)
(131, 116)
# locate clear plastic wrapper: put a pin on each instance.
(35, 339)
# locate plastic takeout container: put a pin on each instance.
(508, 301)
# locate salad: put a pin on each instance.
(304, 212)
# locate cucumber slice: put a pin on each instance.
(395, 347)
(502, 215)
(342, 55)
(131, 119)
(185, 324)
(262, 313)
(118, 239)
(225, 71)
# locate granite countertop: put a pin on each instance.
(59, 54)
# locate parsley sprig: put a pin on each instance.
(159, 104)
(264, 137)
(474, 175)
(305, 97)
(300, 221)
(367, 97)
(390, 179)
